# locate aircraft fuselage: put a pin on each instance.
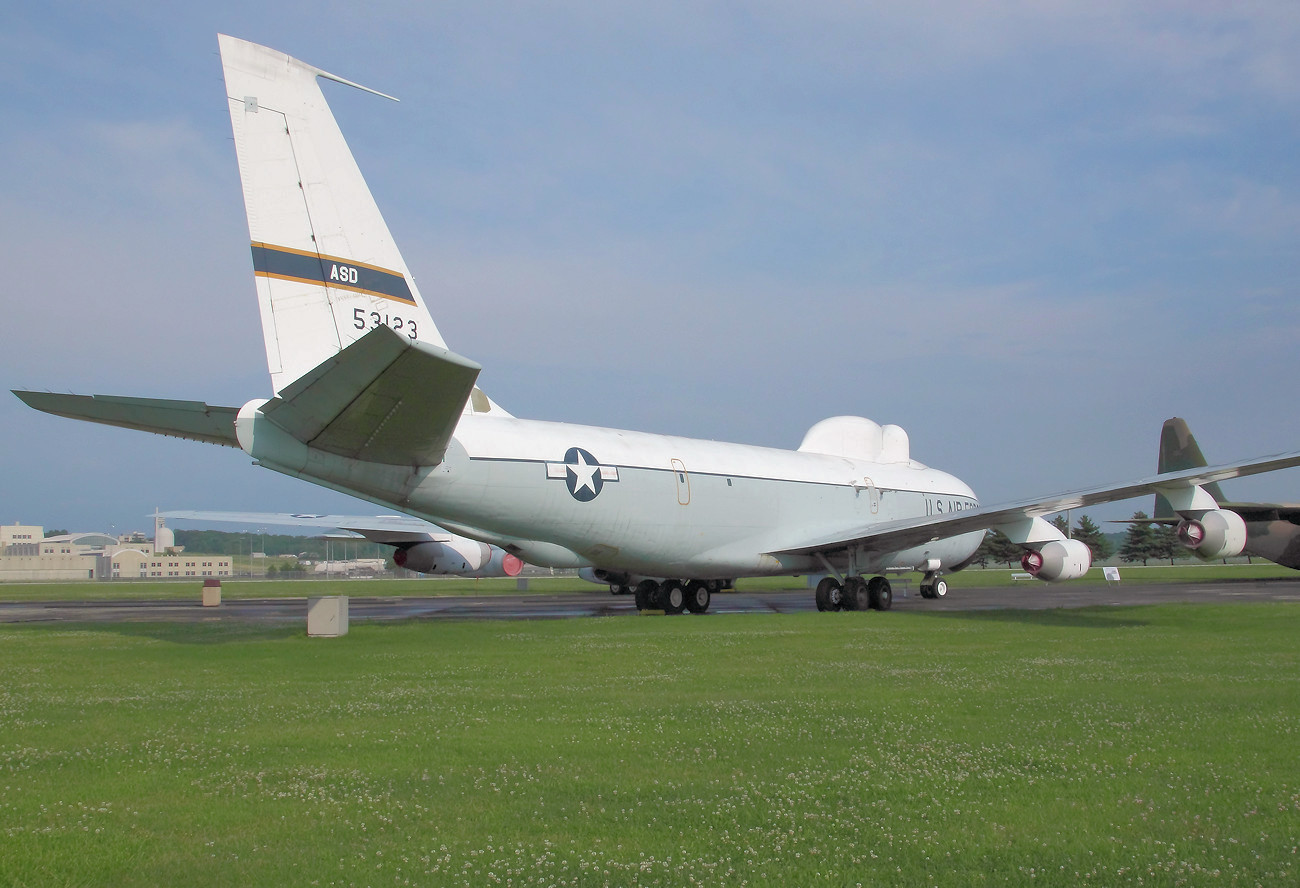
(1277, 540)
(639, 502)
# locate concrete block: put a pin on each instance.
(212, 593)
(327, 617)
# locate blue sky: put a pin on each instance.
(1026, 232)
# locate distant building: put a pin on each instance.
(132, 563)
(27, 555)
(163, 537)
(20, 533)
(75, 544)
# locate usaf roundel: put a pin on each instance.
(582, 473)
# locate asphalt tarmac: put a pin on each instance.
(1029, 595)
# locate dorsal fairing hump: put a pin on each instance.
(856, 437)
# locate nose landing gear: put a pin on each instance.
(933, 586)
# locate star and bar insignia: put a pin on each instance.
(582, 473)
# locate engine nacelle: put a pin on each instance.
(1058, 560)
(501, 564)
(461, 557)
(1218, 533)
(602, 577)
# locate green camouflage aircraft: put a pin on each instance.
(1272, 529)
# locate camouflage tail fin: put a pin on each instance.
(1178, 451)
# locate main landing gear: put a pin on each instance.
(675, 596)
(855, 593)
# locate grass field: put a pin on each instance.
(1152, 746)
(429, 586)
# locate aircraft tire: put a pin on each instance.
(646, 593)
(619, 590)
(855, 594)
(927, 591)
(698, 596)
(829, 595)
(880, 595)
(672, 597)
(940, 589)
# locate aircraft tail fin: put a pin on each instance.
(1179, 451)
(179, 419)
(326, 266)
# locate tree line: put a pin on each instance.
(1143, 541)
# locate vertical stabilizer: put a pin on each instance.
(326, 266)
(1179, 451)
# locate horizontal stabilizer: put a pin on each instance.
(179, 419)
(383, 399)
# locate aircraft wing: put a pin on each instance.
(1264, 511)
(422, 547)
(898, 535)
(1248, 511)
(392, 530)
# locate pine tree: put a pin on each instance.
(1090, 535)
(1140, 541)
(999, 549)
(1165, 544)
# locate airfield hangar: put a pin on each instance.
(27, 555)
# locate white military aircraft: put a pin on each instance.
(369, 400)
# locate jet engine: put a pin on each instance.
(468, 559)
(1058, 560)
(1218, 533)
(602, 577)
